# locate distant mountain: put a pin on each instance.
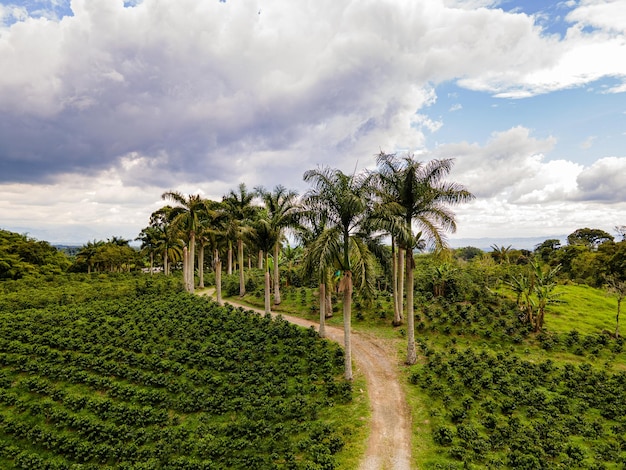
(521, 243)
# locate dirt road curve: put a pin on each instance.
(389, 444)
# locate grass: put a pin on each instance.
(582, 308)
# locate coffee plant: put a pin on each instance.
(143, 380)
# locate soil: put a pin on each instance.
(389, 443)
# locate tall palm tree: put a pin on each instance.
(283, 211)
(187, 215)
(312, 225)
(241, 212)
(421, 197)
(149, 238)
(341, 200)
(169, 243)
(265, 235)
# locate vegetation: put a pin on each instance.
(21, 256)
(515, 358)
(156, 378)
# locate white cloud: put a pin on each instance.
(520, 194)
(604, 180)
(588, 142)
(504, 167)
(607, 15)
(122, 102)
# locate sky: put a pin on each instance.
(107, 104)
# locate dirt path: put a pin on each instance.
(389, 443)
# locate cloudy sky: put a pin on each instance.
(106, 104)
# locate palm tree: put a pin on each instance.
(88, 252)
(169, 244)
(308, 231)
(241, 212)
(149, 238)
(283, 210)
(421, 197)
(341, 200)
(501, 253)
(187, 215)
(265, 236)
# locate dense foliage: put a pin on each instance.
(21, 255)
(497, 410)
(154, 378)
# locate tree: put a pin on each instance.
(150, 237)
(241, 212)
(421, 197)
(266, 235)
(169, 244)
(591, 238)
(312, 226)
(546, 249)
(186, 216)
(544, 284)
(88, 253)
(341, 200)
(283, 212)
(501, 253)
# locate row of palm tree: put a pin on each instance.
(342, 222)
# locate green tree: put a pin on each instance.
(342, 201)
(266, 236)
(421, 197)
(169, 244)
(283, 213)
(186, 215)
(546, 249)
(88, 252)
(150, 238)
(501, 253)
(241, 213)
(544, 284)
(589, 237)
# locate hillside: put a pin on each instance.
(144, 376)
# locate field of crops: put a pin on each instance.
(147, 380)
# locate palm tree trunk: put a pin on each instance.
(322, 309)
(166, 267)
(346, 287)
(218, 277)
(185, 268)
(230, 258)
(260, 265)
(277, 299)
(192, 260)
(267, 288)
(242, 280)
(201, 266)
(401, 264)
(411, 354)
(329, 302)
(397, 317)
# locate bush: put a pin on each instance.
(443, 435)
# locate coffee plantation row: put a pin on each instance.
(151, 377)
